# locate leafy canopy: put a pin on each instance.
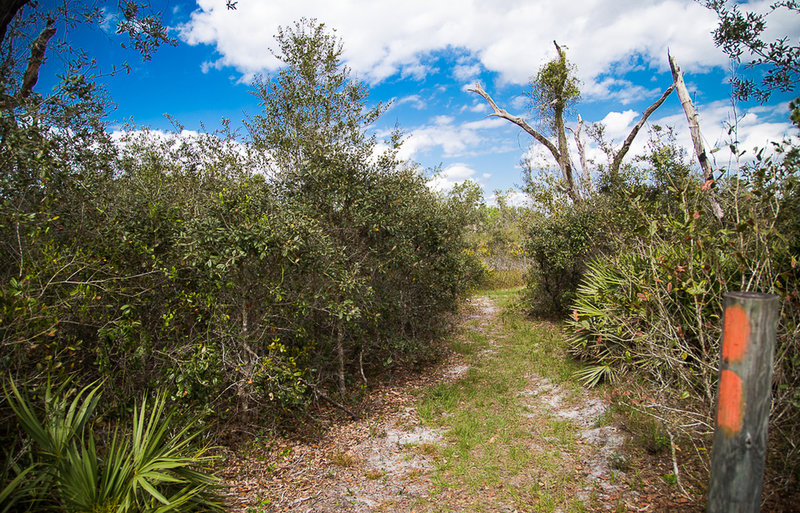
(555, 89)
(312, 104)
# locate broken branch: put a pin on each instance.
(38, 48)
(694, 130)
(619, 155)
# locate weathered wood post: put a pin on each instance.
(743, 402)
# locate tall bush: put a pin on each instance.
(558, 248)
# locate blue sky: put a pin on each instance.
(423, 54)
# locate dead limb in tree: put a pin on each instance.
(37, 58)
(502, 113)
(694, 130)
(35, 61)
(563, 160)
(560, 152)
(586, 179)
(620, 154)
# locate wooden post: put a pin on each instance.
(743, 402)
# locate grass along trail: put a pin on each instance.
(521, 436)
(500, 426)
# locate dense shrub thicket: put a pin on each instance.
(227, 273)
(233, 279)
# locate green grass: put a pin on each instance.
(501, 280)
(492, 444)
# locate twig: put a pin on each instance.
(675, 464)
(326, 397)
(304, 499)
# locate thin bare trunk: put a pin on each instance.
(340, 353)
(586, 178)
(694, 130)
(361, 366)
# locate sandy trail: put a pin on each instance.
(385, 460)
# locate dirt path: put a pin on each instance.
(390, 461)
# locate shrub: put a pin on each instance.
(656, 306)
(558, 249)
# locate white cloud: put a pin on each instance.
(477, 108)
(446, 179)
(109, 21)
(414, 100)
(453, 139)
(466, 70)
(622, 91)
(521, 102)
(513, 199)
(618, 124)
(384, 38)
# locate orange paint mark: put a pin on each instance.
(735, 333)
(729, 412)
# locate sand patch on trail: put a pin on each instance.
(599, 446)
(484, 308)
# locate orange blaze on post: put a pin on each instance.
(735, 334)
(729, 413)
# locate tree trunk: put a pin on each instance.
(561, 155)
(586, 178)
(694, 130)
(340, 354)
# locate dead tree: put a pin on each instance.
(560, 150)
(697, 140)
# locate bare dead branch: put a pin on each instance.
(558, 49)
(620, 154)
(694, 130)
(36, 59)
(502, 113)
(321, 394)
(586, 179)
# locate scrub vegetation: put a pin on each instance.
(156, 287)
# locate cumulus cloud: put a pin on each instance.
(466, 70)
(477, 108)
(453, 174)
(622, 91)
(451, 138)
(753, 128)
(513, 199)
(618, 124)
(513, 37)
(414, 100)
